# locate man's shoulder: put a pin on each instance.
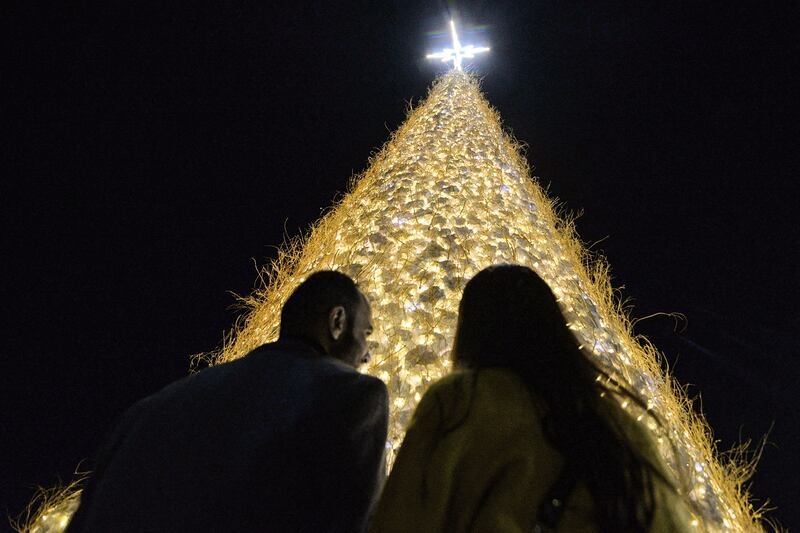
(339, 374)
(303, 359)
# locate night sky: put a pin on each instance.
(155, 154)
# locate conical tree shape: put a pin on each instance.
(449, 195)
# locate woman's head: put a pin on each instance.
(507, 311)
(509, 317)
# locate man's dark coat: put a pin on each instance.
(284, 439)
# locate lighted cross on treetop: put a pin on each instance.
(458, 52)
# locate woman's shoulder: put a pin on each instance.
(448, 391)
(465, 383)
(477, 394)
(473, 378)
(454, 379)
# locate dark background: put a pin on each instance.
(156, 153)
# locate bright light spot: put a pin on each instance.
(458, 52)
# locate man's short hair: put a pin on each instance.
(315, 297)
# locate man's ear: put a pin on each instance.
(337, 322)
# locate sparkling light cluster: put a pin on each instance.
(447, 196)
(51, 509)
(56, 519)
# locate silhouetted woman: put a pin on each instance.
(518, 438)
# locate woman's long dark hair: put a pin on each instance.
(509, 317)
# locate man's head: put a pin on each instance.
(328, 309)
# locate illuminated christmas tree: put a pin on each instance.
(448, 195)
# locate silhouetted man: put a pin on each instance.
(290, 437)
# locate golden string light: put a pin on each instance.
(448, 195)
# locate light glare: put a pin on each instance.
(458, 52)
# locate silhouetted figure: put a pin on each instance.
(290, 437)
(518, 438)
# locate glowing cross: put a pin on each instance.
(458, 52)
